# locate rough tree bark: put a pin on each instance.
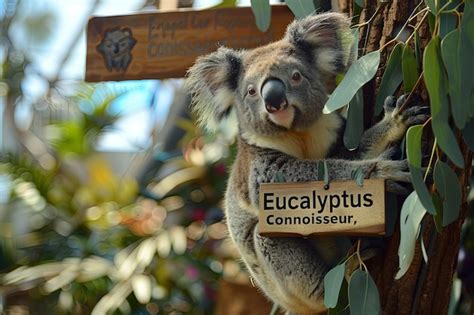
(425, 288)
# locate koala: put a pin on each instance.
(278, 92)
(116, 47)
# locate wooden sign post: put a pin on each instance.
(164, 45)
(293, 209)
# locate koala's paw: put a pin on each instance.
(411, 114)
(394, 171)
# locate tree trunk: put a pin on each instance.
(425, 288)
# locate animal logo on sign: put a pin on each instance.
(116, 48)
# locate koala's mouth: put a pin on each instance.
(283, 118)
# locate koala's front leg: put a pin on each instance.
(393, 126)
(295, 170)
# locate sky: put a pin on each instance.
(64, 19)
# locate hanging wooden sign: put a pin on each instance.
(164, 45)
(293, 209)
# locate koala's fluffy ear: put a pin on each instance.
(327, 37)
(213, 82)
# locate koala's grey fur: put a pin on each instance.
(290, 271)
(116, 48)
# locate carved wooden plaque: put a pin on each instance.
(295, 209)
(164, 45)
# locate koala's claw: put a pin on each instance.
(392, 170)
(410, 115)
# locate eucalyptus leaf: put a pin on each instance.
(301, 8)
(451, 6)
(431, 4)
(465, 52)
(279, 177)
(342, 307)
(431, 22)
(321, 169)
(356, 11)
(355, 43)
(450, 56)
(435, 81)
(410, 219)
(447, 23)
(332, 285)
(391, 79)
(355, 122)
(468, 134)
(418, 49)
(358, 176)
(363, 294)
(360, 72)
(447, 184)
(413, 150)
(262, 11)
(409, 69)
(326, 173)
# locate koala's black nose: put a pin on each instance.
(116, 48)
(274, 96)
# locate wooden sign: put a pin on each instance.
(293, 209)
(164, 45)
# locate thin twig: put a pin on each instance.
(417, 27)
(428, 168)
(370, 19)
(412, 92)
(402, 29)
(419, 12)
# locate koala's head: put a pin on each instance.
(278, 87)
(117, 42)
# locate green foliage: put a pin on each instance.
(431, 4)
(342, 307)
(332, 285)
(447, 184)
(468, 134)
(301, 8)
(262, 11)
(358, 176)
(363, 294)
(409, 69)
(413, 149)
(449, 52)
(360, 72)
(355, 121)
(465, 52)
(279, 177)
(410, 218)
(447, 23)
(436, 83)
(391, 79)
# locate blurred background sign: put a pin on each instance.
(164, 45)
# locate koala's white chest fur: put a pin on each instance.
(312, 143)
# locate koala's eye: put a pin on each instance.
(296, 76)
(251, 91)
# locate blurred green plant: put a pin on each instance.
(90, 241)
